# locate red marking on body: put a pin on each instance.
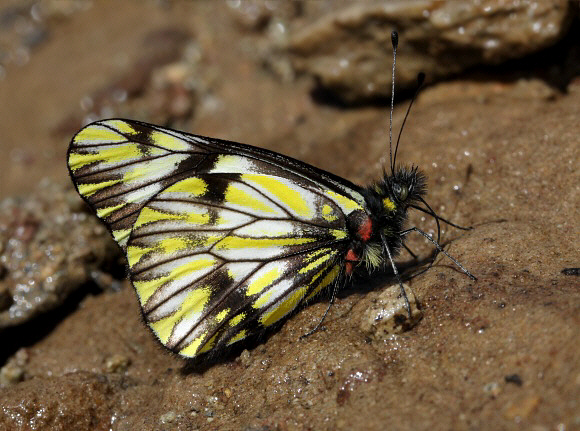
(351, 257)
(365, 229)
(349, 267)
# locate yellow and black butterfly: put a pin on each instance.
(224, 239)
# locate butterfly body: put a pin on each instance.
(221, 238)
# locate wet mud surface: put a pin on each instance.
(500, 148)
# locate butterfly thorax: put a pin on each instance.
(387, 202)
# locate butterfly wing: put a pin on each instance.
(221, 238)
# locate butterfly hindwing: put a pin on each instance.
(221, 238)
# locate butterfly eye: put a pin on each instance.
(403, 193)
(396, 189)
(400, 192)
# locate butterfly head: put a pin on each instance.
(394, 193)
(406, 185)
(387, 203)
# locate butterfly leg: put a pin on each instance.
(396, 272)
(439, 249)
(340, 283)
(417, 258)
(413, 255)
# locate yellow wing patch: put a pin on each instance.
(240, 196)
(192, 349)
(106, 155)
(194, 186)
(326, 281)
(283, 308)
(328, 213)
(98, 134)
(121, 126)
(346, 204)
(284, 192)
(263, 281)
(151, 215)
(91, 188)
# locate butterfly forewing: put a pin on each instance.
(222, 239)
(117, 166)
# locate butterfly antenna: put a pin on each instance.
(420, 81)
(395, 42)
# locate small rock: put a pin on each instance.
(14, 370)
(168, 418)
(11, 374)
(245, 358)
(533, 89)
(492, 388)
(389, 314)
(117, 363)
(250, 14)
(258, 15)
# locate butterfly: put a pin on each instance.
(224, 239)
